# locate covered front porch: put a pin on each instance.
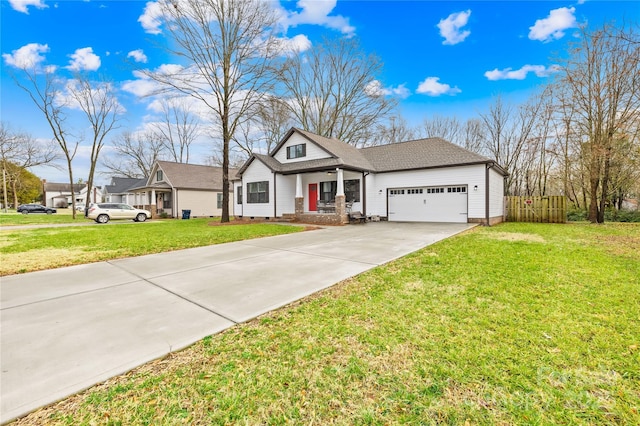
(158, 200)
(327, 197)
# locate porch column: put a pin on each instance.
(299, 201)
(298, 185)
(340, 185)
(341, 209)
(153, 204)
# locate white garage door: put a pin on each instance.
(428, 204)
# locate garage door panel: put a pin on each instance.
(428, 204)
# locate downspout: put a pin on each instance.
(275, 203)
(364, 192)
(488, 167)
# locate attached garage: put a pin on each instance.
(428, 204)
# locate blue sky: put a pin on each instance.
(440, 57)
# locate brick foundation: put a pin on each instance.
(492, 220)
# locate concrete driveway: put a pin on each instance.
(64, 330)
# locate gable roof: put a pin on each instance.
(120, 185)
(412, 155)
(193, 176)
(63, 187)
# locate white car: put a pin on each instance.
(104, 212)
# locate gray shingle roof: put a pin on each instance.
(194, 176)
(348, 154)
(418, 154)
(121, 185)
(63, 187)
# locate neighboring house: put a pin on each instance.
(60, 195)
(119, 191)
(426, 180)
(174, 187)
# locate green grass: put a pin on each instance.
(62, 216)
(25, 250)
(514, 324)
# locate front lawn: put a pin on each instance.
(25, 250)
(514, 324)
(61, 216)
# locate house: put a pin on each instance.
(60, 195)
(119, 191)
(174, 187)
(317, 179)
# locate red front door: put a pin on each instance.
(313, 197)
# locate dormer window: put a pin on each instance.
(159, 176)
(296, 151)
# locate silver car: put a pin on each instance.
(104, 212)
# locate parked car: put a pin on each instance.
(104, 212)
(35, 208)
(79, 208)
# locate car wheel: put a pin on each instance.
(103, 218)
(24, 212)
(49, 212)
(141, 217)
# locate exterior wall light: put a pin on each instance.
(475, 187)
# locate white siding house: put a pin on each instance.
(314, 178)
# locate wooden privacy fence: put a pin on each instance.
(547, 209)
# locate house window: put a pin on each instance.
(239, 192)
(457, 189)
(219, 196)
(258, 192)
(352, 190)
(297, 151)
(328, 191)
(158, 175)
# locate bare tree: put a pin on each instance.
(602, 75)
(396, 129)
(228, 47)
(22, 151)
(134, 154)
(178, 128)
(99, 103)
(44, 89)
(472, 136)
(333, 91)
(448, 128)
(509, 131)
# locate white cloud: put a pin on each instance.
(150, 18)
(28, 56)
(375, 88)
(521, 74)
(84, 60)
(22, 5)
(553, 26)
(98, 92)
(431, 87)
(144, 85)
(317, 12)
(290, 46)
(138, 56)
(451, 27)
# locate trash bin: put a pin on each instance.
(186, 214)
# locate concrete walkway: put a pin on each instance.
(64, 330)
